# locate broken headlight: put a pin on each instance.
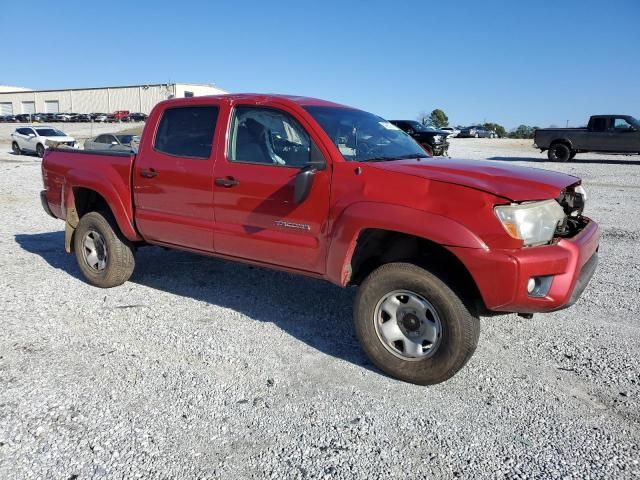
(534, 223)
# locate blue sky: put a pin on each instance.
(511, 62)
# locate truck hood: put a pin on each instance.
(509, 181)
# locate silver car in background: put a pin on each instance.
(112, 142)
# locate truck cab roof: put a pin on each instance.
(268, 97)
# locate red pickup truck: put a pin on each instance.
(328, 191)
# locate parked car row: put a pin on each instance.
(37, 138)
(477, 131)
(119, 116)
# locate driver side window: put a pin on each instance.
(621, 124)
(268, 136)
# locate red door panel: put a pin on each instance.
(174, 191)
(257, 219)
(175, 206)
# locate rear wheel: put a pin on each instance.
(559, 152)
(412, 325)
(16, 148)
(104, 255)
(40, 150)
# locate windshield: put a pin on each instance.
(362, 136)
(125, 139)
(634, 121)
(49, 132)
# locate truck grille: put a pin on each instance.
(572, 203)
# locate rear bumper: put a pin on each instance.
(45, 203)
(502, 276)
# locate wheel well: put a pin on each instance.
(567, 143)
(375, 247)
(87, 200)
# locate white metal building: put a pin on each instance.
(134, 98)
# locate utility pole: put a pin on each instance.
(567, 124)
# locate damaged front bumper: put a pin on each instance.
(503, 277)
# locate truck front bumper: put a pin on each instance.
(503, 277)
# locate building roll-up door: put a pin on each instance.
(6, 108)
(28, 107)
(51, 106)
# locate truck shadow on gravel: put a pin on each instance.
(575, 160)
(313, 311)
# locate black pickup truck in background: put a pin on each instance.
(604, 133)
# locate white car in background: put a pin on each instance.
(34, 139)
(453, 132)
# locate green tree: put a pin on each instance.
(523, 131)
(438, 119)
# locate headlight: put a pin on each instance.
(534, 223)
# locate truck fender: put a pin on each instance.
(564, 140)
(364, 215)
(111, 189)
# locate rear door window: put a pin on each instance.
(599, 124)
(187, 131)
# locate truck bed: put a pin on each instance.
(108, 173)
(543, 137)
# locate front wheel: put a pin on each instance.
(412, 325)
(104, 255)
(559, 152)
(40, 150)
(16, 148)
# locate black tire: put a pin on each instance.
(460, 330)
(16, 148)
(40, 150)
(119, 260)
(559, 152)
(573, 154)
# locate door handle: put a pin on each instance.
(226, 182)
(149, 173)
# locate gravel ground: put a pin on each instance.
(200, 368)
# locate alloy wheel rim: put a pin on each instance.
(94, 251)
(408, 325)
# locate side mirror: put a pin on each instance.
(304, 182)
(31, 135)
(114, 143)
(306, 175)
